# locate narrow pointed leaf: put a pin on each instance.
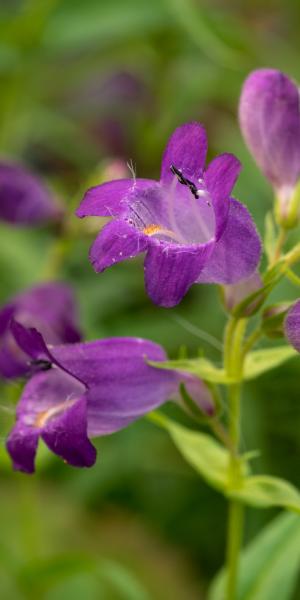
(269, 565)
(200, 450)
(260, 361)
(201, 367)
(265, 491)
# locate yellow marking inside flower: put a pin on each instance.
(43, 416)
(154, 229)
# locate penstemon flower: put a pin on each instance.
(24, 199)
(270, 122)
(88, 389)
(292, 325)
(190, 228)
(51, 308)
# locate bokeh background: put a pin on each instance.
(83, 85)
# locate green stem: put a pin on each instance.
(235, 532)
(293, 256)
(293, 278)
(251, 340)
(233, 362)
(279, 246)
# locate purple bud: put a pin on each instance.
(233, 295)
(292, 326)
(24, 199)
(270, 122)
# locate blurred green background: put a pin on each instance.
(83, 83)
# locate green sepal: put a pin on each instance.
(287, 212)
(273, 317)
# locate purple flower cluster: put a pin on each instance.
(292, 326)
(191, 230)
(188, 224)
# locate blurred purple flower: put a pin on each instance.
(109, 106)
(191, 229)
(24, 199)
(51, 308)
(270, 122)
(85, 390)
(292, 326)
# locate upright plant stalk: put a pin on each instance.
(233, 359)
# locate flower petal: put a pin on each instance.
(220, 177)
(186, 150)
(6, 315)
(66, 436)
(292, 326)
(30, 341)
(24, 199)
(171, 270)
(50, 308)
(121, 385)
(237, 254)
(21, 445)
(109, 199)
(52, 405)
(270, 122)
(111, 358)
(116, 242)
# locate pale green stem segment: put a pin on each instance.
(279, 246)
(233, 362)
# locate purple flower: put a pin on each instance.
(190, 228)
(85, 390)
(51, 308)
(270, 122)
(292, 326)
(24, 199)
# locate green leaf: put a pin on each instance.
(260, 361)
(205, 34)
(256, 363)
(200, 450)
(269, 565)
(264, 491)
(103, 24)
(201, 367)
